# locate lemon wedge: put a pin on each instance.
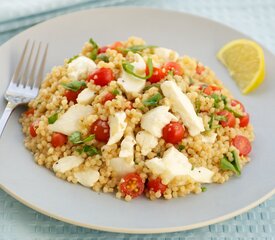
(244, 60)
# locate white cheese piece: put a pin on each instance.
(167, 54)
(209, 138)
(122, 166)
(127, 147)
(87, 178)
(202, 175)
(67, 163)
(146, 141)
(154, 120)
(69, 121)
(128, 82)
(117, 125)
(182, 104)
(80, 68)
(156, 165)
(85, 96)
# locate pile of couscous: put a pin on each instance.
(137, 119)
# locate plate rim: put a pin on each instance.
(139, 230)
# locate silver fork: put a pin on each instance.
(25, 82)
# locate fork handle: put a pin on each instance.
(6, 114)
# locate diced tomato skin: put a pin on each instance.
(242, 144)
(130, 106)
(102, 76)
(32, 129)
(158, 74)
(244, 120)
(103, 49)
(58, 139)
(235, 102)
(132, 185)
(230, 121)
(101, 130)
(200, 69)
(117, 46)
(174, 67)
(29, 112)
(108, 97)
(173, 132)
(156, 185)
(72, 95)
(209, 90)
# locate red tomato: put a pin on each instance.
(200, 69)
(244, 120)
(174, 67)
(108, 97)
(242, 144)
(29, 112)
(116, 46)
(158, 74)
(102, 76)
(59, 139)
(33, 128)
(72, 95)
(173, 132)
(230, 119)
(101, 130)
(235, 102)
(132, 185)
(209, 90)
(156, 185)
(130, 107)
(102, 49)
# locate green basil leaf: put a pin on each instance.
(53, 118)
(94, 52)
(203, 189)
(74, 85)
(90, 150)
(75, 137)
(227, 165)
(88, 139)
(72, 58)
(103, 57)
(116, 92)
(237, 162)
(136, 48)
(181, 147)
(216, 100)
(129, 68)
(152, 101)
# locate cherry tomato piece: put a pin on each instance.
(102, 76)
(102, 49)
(59, 139)
(173, 132)
(132, 185)
(108, 97)
(230, 119)
(244, 120)
(174, 67)
(242, 144)
(235, 102)
(72, 95)
(209, 90)
(158, 74)
(156, 185)
(200, 69)
(32, 128)
(29, 112)
(101, 130)
(117, 46)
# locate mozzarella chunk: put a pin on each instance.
(67, 163)
(146, 141)
(69, 121)
(209, 138)
(167, 54)
(202, 175)
(182, 104)
(127, 147)
(117, 125)
(80, 68)
(154, 120)
(128, 82)
(122, 166)
(156, 165)
(85, 96)
(87, 178)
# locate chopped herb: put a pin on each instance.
(94, 52)
(136, 48)
(225, 164)
(103, 57)
(197, 105)
(220, 118)
(237, 161)
(153, 101)
(203, 189)
(116, 92)
(192, 168)
(79, 150)
(53, 118)
(129, 68)
(74, 85)
(89, 138)
(72, 58)
(90, 150)
(210, 123)
(157, 85)
(224, 99)
(216, 100)
(181, 147)
(76, 138)
(171, 73)
(191, 81)
(236, 114)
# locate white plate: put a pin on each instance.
(198, 37)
